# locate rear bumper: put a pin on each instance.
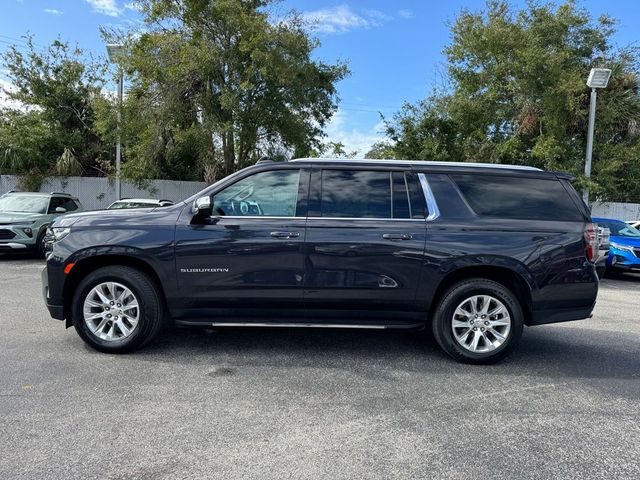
(543, 317)
(55, 306)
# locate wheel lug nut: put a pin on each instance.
(108, 315)
(481, 328)
(484, 316)
(111, 303)
(486, 323)
(475, 329)
(119, 305)
(471, 322)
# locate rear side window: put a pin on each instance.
(517, 197)
(369, 194)
(355, 194)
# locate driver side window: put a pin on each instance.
(272, 194)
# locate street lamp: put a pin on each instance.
(598, 78)
(115, 53)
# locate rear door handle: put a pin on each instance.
(397, 236)
(285, 234)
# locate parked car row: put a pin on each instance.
(25, 217)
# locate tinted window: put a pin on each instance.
(69, 205)
(273, 194)
(418, 202)
(55, 203)
(355, 194)
(450, 204)
(401, 208)
(517, 197)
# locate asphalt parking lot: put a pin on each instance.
(316, 404)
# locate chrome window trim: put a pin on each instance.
(432, 205)
(271, 217)
(222, 217)
(378, 219)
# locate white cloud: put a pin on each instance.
(106, 7)
(407, 14)
(6, 102)
(132, 6)
(342, 19)
(52, 11)
(353, 138)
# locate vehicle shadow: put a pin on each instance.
(549, 352)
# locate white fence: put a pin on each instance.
(620, 211)
(98, 192)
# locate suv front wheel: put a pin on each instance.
(117, 309)
(478, 321)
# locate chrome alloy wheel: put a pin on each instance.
(111, 311)
(481, 323)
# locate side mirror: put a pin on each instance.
(61, 210)
(202, 209)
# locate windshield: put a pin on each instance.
(621, 229)
(24, 204)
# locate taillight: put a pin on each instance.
(591, 240)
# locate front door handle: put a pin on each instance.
(285, 234)
(397, 236)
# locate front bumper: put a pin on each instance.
(16, 238)
(622, 259)
(14, 247)
(56, 309)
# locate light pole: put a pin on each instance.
(598, 78)
(115, 53)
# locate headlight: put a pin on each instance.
(58, 233)
(621, 247)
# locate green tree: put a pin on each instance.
(219, 81)
(381, 150)
(518, 95)
(53, 131)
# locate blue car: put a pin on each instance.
(624, 252)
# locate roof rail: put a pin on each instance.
(264, 160)
(418, 163)
(60, 193)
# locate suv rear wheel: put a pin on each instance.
(117, 309)
(478, 321)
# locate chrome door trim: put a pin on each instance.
(296, 325)
(432, 205)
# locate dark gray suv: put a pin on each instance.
(472, 252)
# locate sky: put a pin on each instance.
(393, 47)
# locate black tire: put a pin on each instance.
(39, 250)
(151, 308)
(449, 302)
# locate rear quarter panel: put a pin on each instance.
(549, 256)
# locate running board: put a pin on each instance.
(297, 325)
